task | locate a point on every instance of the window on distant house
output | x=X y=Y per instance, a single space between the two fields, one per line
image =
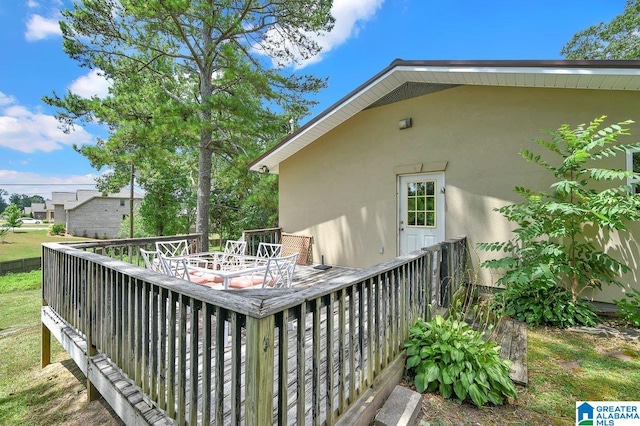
x=122 y=202
x=633 y=164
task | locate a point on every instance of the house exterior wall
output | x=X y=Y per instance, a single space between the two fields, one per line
x=98 y=216
x=59 y=214
x=342 y=188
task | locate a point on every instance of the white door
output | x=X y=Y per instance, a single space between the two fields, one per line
x=421 y=211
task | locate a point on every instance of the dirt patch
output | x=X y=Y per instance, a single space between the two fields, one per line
x=69 y=401
x=437 y=411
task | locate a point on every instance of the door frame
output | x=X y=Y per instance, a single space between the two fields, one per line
x=439 y=176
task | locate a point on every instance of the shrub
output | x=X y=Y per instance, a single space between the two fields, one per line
x=629 y=309
x=539 y=302
x=57 y=229
x=449 y=357
x=549 y=250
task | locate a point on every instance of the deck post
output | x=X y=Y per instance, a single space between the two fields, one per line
x=260 y=371
x=92 y=392
x=45 y=343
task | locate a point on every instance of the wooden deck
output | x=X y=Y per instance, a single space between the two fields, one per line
x=100 y=370
x=161 y=350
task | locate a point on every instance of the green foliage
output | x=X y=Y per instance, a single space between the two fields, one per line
x=549 y=249
x=3 y=202
x=23 y=200
x=138 y=227
x=618 y=39
x=57 y=229
x=204 y=79
x=543 y=302
x=629 y=308
x=12 y=215
x=449 y=357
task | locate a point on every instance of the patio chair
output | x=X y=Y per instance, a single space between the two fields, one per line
x=178 y=267
x=269 y=250
x=231 y=258
x=237 y=247
x=173 y=248
x=151 y=260
x=278 y=274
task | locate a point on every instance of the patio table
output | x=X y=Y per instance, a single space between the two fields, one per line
x=234 y=266
x=217 y=260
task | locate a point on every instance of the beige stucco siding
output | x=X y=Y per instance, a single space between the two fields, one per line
x=342 y=188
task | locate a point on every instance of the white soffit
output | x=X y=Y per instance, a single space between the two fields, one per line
x=550 y=77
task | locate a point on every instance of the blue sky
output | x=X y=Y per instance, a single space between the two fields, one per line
x=36 y=157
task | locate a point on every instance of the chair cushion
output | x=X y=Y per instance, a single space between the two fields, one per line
x=246 y=281
x=208 y=277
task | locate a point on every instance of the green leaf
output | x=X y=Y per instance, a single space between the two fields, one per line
x=446 y=390
x=461 y=390
x=432 y=372
x=421 y=383
x=413 y=361
x=477 y=395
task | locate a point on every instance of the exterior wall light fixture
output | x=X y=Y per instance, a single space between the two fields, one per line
x=404 y=124
x=264 y=169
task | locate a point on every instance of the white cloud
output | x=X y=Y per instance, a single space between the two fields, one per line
x=6 y=99
x=350 y=16
x=39 y=27
x=91 y=84
x=26 y=131
x=31 y=183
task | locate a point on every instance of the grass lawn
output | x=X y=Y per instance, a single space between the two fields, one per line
x=564 y=367
x=30 y=395
x=26 y=242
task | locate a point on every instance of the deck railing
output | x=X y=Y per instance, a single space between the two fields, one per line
x=257 y=357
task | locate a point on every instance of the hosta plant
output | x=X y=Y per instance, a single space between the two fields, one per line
x=629 y=308
x=449 y=357
x=540 y=302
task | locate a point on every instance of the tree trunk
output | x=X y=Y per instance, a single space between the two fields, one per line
x=204 y=186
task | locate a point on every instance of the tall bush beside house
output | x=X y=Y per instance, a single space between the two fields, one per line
x=550 y=261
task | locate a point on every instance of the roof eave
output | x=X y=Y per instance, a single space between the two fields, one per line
x=455 y=72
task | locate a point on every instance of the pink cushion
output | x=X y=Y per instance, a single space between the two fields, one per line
x=208 y=277
x=198 y=280
x=245 y=281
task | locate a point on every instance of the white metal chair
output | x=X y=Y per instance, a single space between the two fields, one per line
x=174 y=266
x=269 y=250
x=179 y=267
x=278 y=274
x=151 y=260
x=231 y=258
x=236 y=247
x=173 y=248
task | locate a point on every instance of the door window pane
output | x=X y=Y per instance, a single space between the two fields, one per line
x=633 y=164
x=421 y=203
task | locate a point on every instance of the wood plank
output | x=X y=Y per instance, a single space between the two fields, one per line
x=511 y=335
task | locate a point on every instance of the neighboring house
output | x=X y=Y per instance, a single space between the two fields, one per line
x=57 y=205
x=89 y=213
x=38 y=210
x=426 y=150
